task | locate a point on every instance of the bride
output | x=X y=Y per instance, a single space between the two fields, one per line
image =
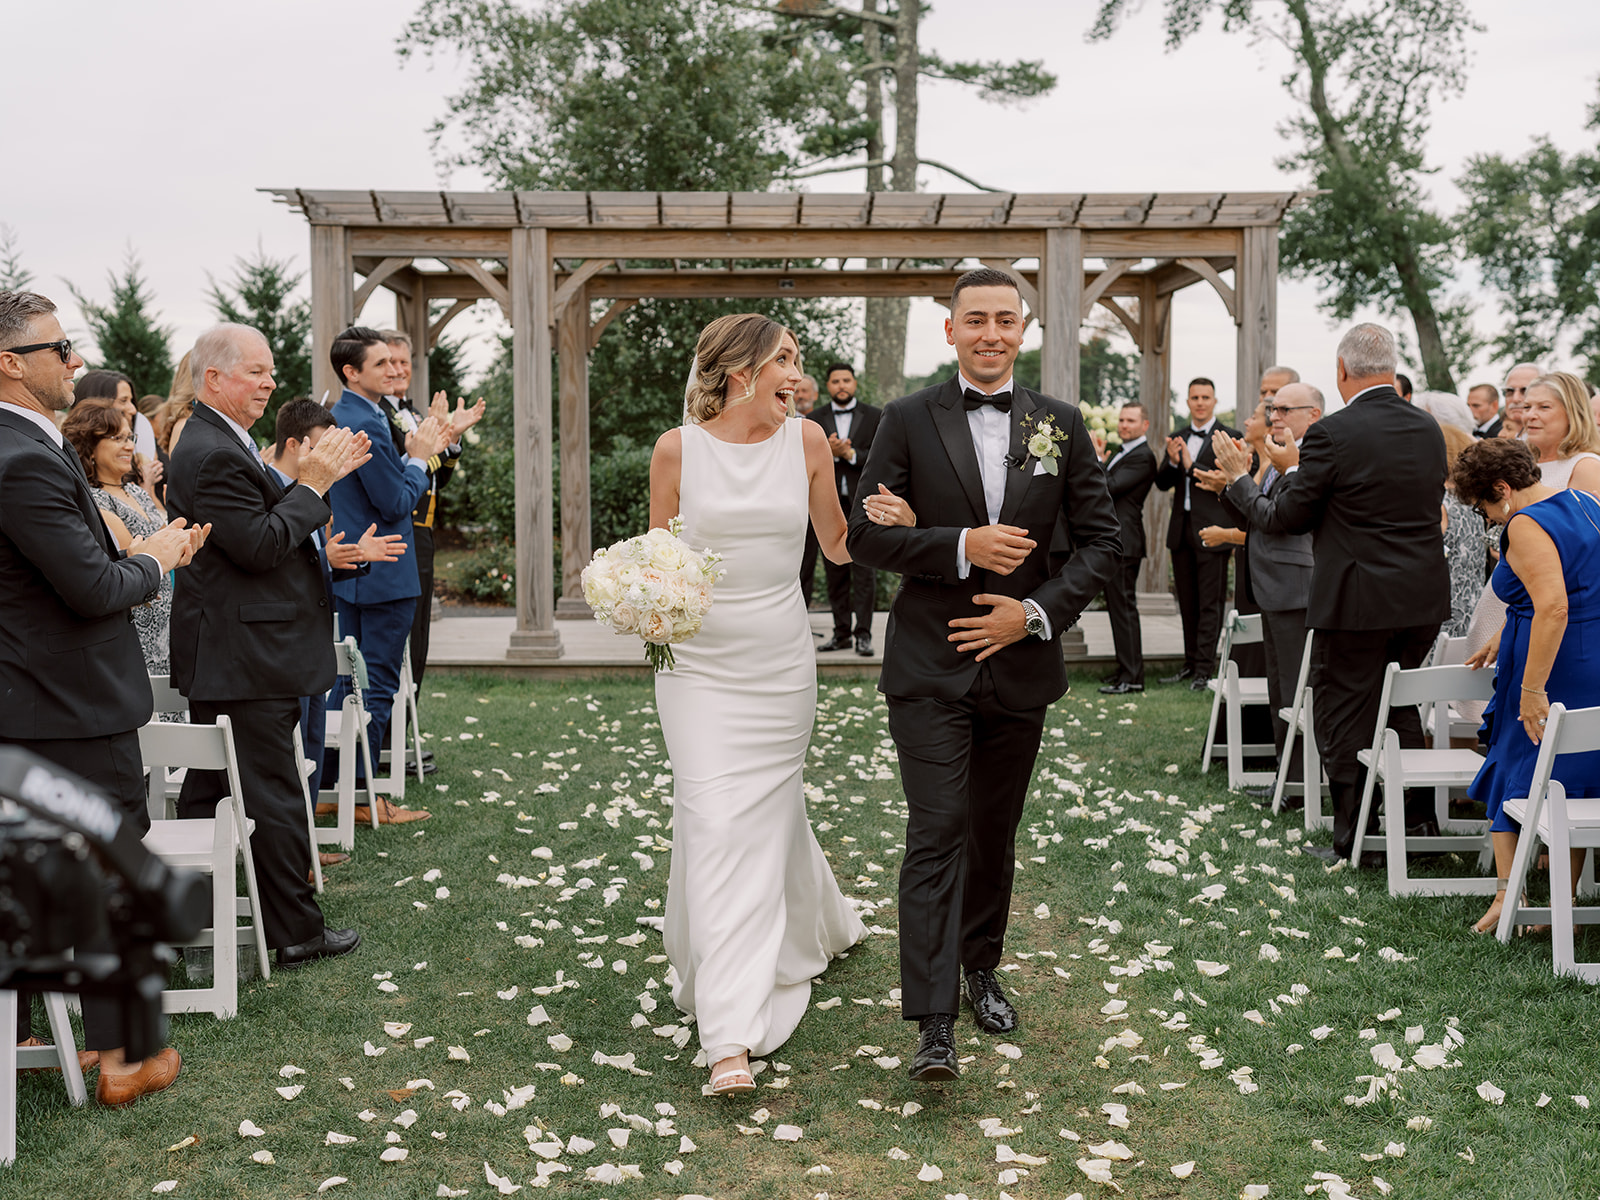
x=753 y=911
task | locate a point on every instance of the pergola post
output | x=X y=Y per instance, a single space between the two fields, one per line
x=1155 y=390
x=332 y=301
x=1255 y=285
x=413 y=313
x=529 y=284
x=1061 y=293
x=572 y=348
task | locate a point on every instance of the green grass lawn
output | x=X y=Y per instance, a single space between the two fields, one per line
x=561 y=789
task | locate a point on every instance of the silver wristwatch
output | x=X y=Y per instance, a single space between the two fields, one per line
x=1034 y=618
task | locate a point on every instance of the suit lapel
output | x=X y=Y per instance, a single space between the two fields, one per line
x=1023 y=406
x=950 y=420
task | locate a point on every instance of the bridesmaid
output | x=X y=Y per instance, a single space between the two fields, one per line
x=753 y=911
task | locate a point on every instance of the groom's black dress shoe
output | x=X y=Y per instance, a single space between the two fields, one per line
x=864 y=645
x=1121 y=689
x=935 y=1060
x=835 y=643
x=330 y=943
x=1186 y=673
x=990 y=1008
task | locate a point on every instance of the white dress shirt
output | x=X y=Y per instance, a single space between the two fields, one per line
x=991 y=438
x=1198 y=437
x=409 y=426
x=843 y=420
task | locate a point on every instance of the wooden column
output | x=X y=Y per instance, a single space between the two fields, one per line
x=332 y=301
x=535 y=636
x=1061 y=296
x=1255 y=285
x=572 y=348
x=1155 y=390
x=413 y=313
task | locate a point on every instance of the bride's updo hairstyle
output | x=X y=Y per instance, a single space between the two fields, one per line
x=737 y=342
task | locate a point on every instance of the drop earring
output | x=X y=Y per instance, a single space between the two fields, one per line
x=1505 y=507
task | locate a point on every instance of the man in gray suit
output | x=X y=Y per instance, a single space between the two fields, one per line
x=1280 y=563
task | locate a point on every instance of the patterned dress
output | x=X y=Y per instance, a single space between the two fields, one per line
x=1466 y=545
x=153 y=620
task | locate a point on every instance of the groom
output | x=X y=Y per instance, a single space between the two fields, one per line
x=971 y=662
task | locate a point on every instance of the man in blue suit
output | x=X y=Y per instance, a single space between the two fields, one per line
x=377 y=608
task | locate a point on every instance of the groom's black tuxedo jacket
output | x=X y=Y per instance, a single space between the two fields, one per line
x=923 y=451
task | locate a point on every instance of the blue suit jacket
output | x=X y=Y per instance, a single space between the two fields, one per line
x=383 y=492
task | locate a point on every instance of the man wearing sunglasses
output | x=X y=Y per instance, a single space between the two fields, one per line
x=73 y=687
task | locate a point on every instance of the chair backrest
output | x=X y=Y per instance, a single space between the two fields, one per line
x=1238 y=630
x=349 y=661
x=168 y=699
x=1448 y=651
x=169 y=744
x=1424 y=685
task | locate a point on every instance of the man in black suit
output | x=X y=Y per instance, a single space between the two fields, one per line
x=1483 y=401
x=1368 y=486
x=1280 y=563
x=73 y=686
x=1129 y=474
x=850 y=426
x=1199 y=572
x=971 y=658
x=252 y=628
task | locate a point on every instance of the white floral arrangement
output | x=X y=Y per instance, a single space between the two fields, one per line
x=654 y=586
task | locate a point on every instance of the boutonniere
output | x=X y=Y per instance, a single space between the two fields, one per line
x=1044 y=442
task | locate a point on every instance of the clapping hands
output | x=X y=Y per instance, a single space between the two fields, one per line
x=372 y=547
x=428 y=438
x=173 y=545
x=461 y=420
x=1233 y=456
x=335 y=456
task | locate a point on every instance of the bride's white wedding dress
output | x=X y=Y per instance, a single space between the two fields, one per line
x=753 y=910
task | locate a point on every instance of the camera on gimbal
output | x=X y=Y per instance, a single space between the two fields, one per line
x=84 y=907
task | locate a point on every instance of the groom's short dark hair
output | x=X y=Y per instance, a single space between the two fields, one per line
x=982 y=277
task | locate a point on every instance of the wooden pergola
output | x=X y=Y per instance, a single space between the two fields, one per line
x=551 y=259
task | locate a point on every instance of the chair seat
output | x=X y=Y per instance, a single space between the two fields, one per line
x=1433 y=768
x=1583 y=818
x=183 y=843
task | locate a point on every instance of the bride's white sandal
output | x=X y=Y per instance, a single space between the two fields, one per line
x=733 y=1081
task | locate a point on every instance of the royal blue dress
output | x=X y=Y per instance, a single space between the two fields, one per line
x=1572 y=520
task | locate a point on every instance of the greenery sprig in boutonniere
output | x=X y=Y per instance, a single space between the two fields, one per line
x=1044 y=442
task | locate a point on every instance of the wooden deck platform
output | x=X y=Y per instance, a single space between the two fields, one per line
x=478 y=642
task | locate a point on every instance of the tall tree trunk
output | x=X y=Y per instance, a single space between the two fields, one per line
x=1435 y=362
x=886 y=318
x=886 y=315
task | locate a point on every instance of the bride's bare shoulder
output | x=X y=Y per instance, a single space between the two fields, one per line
x=670 y=443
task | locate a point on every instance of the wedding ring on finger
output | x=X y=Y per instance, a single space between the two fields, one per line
x=1542 y=720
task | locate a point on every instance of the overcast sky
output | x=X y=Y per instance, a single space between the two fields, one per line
x=152 y=124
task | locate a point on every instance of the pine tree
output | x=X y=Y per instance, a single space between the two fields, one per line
x=125 y=331
x=14 y=277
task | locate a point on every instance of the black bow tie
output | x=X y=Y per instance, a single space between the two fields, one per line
x=846 y=410
x=973 y=399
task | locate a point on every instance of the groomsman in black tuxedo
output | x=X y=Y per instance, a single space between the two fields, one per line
x=971 y=659
x=1367 y=486
x=1483 y=400
x=1199 y=572
x=805 y=399
x=850 y=426
x=73 y=685
x=1129 y=474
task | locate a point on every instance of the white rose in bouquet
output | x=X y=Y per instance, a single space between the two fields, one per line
x=655 y=587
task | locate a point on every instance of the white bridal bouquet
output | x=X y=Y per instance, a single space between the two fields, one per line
x=655 y=586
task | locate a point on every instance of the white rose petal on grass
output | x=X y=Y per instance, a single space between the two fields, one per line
x=337 y=1139
x=406 y=1119
x=332 y=1181
x=499 y=1182
x=1544 y=1099
x=1383 y=1188
x=1097 y=1169
x=1182 y=1170
x=1042 y=912
x=1210 y=969
x=1112 y=1150
x=538 y=1016
x=1491 y=1094
x=397 y=1029
x=559 y=1042
x=372 y=1051
x=1420 y=1124
x=1395 y=1149
x=1581 y=1101
x=1269 y=952
x=1322 y=1032
x=366 y=1114
x=833 y=1002
x=1253 y=1191
x=165 y=1186
x=250 y=1129
x=1384 y=1055
x=930 y=1173
x=264 y=1157
x=898 y=1154
x=289 y=1071
x=289 y=1093
x=787 y=1133
x=1007 y=1050
x=887 y=1061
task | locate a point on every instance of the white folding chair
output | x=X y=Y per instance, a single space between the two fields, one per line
x=1466 y=716
x=1563 y=824
x=346 y=731
x=404 y=725
x=1298 y=716
x=63 y=1054
x=1236 y=693
x=168 y=699
x=214 y=846
x=1440 y=768
x=304 y=769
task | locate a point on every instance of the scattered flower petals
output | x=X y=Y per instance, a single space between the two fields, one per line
x=264 y=1157
x=250 y=1129
x=1488 y=1092
x=930 y=1173
x=1182 y=1170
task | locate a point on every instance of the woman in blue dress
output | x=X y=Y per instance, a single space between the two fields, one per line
x=1549 y=650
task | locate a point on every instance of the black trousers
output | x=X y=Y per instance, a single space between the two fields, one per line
x=115 y=766
x=422 y=622
x=1122 y=605
x=965 y=766
x=1347 y=667
x=851 y=588
x=1200 y=579
x=1284 y=634
x=263 y=739
x=808 y=565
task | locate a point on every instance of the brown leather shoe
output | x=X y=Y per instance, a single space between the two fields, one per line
x=155 y=1074
x=331 y=860
x=327 y=810
x=391 y=814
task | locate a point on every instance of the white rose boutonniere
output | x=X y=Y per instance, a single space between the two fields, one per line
x=1044 y=442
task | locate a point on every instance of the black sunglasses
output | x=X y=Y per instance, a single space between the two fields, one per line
x=63 y=348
